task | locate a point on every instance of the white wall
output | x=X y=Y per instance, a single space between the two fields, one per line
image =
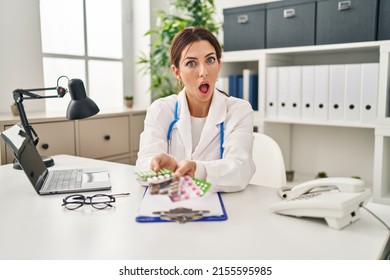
x=141 y=43
x=234 y=3
x=20 y=51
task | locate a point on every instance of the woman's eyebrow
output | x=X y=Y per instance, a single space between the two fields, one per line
x=212 y=53
x=207 y=55
x=190 y=57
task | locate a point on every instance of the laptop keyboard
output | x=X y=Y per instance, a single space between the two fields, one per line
x=65 y=179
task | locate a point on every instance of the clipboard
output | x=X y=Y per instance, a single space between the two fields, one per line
x=159 y=208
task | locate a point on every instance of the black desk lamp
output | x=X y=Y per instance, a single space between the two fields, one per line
x=80 y=107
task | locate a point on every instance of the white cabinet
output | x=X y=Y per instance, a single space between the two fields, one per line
x=104 y=137
x=110 y=135
x=339 y=146
x=51 y=142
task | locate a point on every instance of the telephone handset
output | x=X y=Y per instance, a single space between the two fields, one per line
x=336 y=199
x=340 y=183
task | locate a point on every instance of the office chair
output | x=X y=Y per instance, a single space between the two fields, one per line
x=268 y=158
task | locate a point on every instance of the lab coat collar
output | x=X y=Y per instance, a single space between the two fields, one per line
x=211 y=129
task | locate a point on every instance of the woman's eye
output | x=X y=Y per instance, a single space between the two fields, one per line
x=191 y=63
x=210 y=60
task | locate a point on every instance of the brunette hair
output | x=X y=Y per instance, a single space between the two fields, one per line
x=188 y=36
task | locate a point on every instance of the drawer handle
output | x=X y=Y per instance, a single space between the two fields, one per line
x=289 y=13
x=107 y=137
x=345 y=5
x=242 y=19
x=45 y=146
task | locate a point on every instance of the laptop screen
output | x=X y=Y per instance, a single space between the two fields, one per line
x=26 y=153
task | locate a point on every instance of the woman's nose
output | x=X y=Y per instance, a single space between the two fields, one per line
x=203 y=71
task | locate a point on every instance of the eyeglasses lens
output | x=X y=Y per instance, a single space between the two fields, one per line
x=101 y=201
x=74 y=201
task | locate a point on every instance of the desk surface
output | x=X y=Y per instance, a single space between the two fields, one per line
x=38 y=227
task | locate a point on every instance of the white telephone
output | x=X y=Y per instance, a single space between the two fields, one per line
x=336 y=199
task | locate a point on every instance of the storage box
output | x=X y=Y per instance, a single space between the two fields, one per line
x=384 y=20
x=244 y=28
x=290 y=23
x=346 y=21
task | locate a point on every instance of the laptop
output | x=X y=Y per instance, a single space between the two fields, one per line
x=47 y=181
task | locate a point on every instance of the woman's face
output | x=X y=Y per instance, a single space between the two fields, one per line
x=198 y=70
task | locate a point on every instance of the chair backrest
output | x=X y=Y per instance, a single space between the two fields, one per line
x=268 y=158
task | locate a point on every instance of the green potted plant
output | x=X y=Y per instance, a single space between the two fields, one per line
x=321 y=174
x=181 y=14
x=129 y=101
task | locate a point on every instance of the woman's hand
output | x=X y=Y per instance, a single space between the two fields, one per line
x=163 y=161
x=186 y=167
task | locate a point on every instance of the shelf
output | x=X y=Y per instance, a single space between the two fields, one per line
x=341 y=148
x=309 y=122
x=382 y=130
x=245 y=55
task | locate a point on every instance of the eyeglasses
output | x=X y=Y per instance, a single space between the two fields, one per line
x=97 y=201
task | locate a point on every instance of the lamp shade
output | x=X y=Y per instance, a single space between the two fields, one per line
x=81 y=106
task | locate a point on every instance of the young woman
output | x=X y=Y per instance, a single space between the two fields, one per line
x=201 y=131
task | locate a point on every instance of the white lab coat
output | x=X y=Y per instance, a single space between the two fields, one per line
x=231 y=173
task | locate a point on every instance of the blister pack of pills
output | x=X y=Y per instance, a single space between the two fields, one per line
x=164 y=182
x=187 y=188
x=145 y=178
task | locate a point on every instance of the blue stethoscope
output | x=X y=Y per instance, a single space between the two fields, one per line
x=176 y=118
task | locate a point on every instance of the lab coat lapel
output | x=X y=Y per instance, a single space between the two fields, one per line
x=184 y=124
x=211 y=129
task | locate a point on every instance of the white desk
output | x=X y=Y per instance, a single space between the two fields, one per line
x=38 y=227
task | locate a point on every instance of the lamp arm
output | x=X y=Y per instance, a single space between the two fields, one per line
x=18 y=98
x=19 y=94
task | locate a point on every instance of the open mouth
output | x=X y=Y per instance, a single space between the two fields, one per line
x=204 y=88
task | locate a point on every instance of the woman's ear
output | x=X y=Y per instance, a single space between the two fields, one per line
x=175 y=71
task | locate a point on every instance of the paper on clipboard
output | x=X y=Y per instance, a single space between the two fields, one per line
x=154 y=203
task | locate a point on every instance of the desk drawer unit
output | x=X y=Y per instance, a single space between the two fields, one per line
x=104 y=137
x=54 y=138
x=346 y=21
x=290 y=23
x=244 y=28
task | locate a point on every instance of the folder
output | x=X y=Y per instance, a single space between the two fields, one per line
x=234 y=84
x=294 y=92
x=336 y=92
x=369 y=92
x=160 y=208
x=246 y=73
x=223 y=84
x=271 y=97
x=240 y=86
x=283 y=84
x=321 y=92
x=307 y=110
x=352 y=92
x=254 y=91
